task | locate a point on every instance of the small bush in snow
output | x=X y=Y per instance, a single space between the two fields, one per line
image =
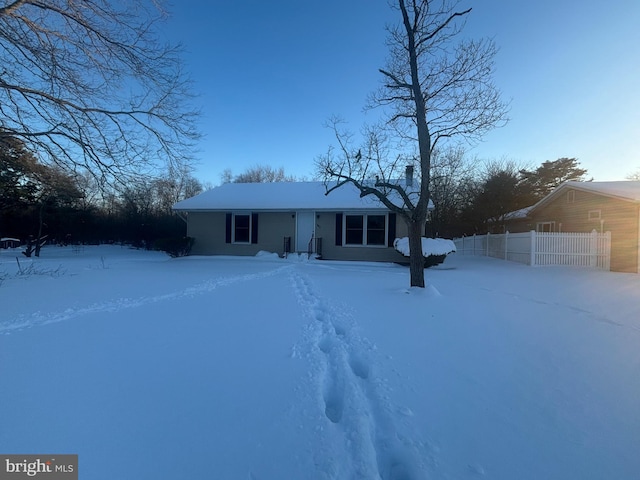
x=174 y=246
x=33 y=269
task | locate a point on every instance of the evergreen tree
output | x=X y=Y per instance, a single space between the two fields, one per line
x=541 y=181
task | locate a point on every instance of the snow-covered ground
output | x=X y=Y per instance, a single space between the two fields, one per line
x=262 y=368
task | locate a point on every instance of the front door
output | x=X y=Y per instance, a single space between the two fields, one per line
x=305 y=229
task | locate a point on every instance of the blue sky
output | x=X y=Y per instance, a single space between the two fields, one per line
x=269 y=74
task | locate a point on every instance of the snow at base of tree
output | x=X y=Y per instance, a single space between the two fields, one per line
x=430 y=246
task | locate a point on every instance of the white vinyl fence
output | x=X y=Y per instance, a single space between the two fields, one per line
x=535 y=248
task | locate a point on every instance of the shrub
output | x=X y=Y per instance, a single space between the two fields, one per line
x=174 y=246
x=433 y=260
x=434 y=250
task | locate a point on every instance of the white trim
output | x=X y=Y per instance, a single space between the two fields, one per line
x=597 y=214
x=551 y=223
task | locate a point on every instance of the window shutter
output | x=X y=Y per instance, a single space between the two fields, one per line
x=227 y=237
x=338 y=229
x=254 y=228
x=391 y=234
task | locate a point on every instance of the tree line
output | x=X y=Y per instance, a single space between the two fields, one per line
x=48 y=203
x=475 y=197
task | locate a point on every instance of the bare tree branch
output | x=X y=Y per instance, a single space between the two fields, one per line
x=88 y=84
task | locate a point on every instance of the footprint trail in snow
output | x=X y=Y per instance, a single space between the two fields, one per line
x=40 y=318
x=378 y=442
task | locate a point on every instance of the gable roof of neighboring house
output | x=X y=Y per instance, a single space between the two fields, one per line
x=624 y=190
x=279 y=196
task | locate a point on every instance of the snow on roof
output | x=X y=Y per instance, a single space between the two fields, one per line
x=627 y=190
x=518 y=214
x=280 y=196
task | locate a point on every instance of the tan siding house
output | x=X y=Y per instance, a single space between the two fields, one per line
x=288 y=217
x=588 y=206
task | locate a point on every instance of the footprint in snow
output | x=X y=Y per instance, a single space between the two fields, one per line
x=334 y=400
x=359 y=367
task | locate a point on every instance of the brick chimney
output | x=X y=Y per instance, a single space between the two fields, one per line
x=409 y=176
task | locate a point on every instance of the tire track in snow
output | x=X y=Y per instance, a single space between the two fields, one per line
x=38 y=318
x=352 y=398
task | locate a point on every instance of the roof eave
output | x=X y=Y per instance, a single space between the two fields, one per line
x=283 y=210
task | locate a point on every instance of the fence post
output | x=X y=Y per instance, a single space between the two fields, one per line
x=488 y=237
x=532 y=252
x=607 y=251
x=593 y=247
x=506 y=244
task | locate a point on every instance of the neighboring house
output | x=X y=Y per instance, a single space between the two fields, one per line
x=588 y=206
x=517 y=221
x=7 y=242
x=284 y=217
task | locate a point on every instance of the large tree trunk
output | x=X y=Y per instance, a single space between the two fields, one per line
x=416 y=227
x=416 y=260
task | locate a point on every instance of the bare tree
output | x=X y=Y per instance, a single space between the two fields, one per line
x=635 y=176
x=90 y=84
x=434 y=90
x=226 y=176
x=259 y=174
x=177 y=185
x=451 y=174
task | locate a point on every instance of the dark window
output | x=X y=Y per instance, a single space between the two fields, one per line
x=354 y=231
x=365 y=230
x=546 y=227
x=375 y=230
x=242 y=229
